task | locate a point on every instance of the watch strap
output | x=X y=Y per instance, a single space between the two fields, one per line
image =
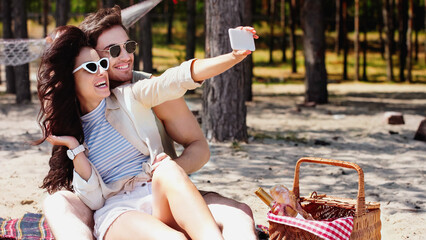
x=78 y=150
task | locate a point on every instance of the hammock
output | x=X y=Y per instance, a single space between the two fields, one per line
x=14 y=52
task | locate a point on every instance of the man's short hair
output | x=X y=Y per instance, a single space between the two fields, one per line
x=95 y=23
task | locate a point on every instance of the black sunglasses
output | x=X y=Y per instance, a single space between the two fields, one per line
x=115 y=50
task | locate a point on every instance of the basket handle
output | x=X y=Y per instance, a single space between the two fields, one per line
x=360 y=205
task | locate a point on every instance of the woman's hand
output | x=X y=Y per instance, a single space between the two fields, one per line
x=67 y=141
x=159 y=159
x=81 y=163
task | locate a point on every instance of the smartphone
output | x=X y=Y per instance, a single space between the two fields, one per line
x=241 y=39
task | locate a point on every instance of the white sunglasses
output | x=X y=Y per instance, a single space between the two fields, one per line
x=92 y=67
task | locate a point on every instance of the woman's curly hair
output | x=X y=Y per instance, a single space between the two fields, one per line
x=59 y=112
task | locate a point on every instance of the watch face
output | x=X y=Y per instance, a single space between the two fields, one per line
x=70 y=154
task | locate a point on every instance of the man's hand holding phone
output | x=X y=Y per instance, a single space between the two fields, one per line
x=242 y=40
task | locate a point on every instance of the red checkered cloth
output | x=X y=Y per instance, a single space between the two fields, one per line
x=30 y=227
x=332 y=229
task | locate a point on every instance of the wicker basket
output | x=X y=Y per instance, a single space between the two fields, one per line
x=366 y=214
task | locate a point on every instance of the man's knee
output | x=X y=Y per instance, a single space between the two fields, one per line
x=223 y=205
x=245 y=208
x=234 y=218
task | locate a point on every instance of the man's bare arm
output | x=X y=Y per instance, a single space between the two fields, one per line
x=183 y=128
x=206 y=68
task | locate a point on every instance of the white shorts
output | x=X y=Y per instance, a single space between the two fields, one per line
x=140 y=199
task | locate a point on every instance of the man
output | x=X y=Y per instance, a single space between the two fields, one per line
x=67 y=215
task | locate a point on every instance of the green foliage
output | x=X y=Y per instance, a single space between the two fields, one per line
x=34 y=6
x=166 y=56
x=81 y=7
x=236 y=146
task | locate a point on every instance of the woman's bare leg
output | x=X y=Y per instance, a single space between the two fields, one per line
x=178 y=203
x=138 y=225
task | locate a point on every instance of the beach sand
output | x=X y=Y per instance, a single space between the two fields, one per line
x=351 y=128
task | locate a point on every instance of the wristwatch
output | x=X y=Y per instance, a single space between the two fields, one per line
x=73 y=152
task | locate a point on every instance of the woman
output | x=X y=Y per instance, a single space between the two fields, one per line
x=118 y=134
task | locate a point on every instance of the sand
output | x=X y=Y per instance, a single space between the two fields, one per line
x=351 y=128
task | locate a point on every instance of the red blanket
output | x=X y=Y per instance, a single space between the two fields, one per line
x=31 y=226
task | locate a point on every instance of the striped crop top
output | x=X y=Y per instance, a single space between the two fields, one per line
x=111 y=154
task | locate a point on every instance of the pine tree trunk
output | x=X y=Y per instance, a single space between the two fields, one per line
x=271 y=30
x=265 y=7
x=108 y=3
x=45 y=16
x=190 y=29
x=22 y=80
x=292 y=35
x=364 y=42
x=356 y=42
x=345 y=39
x=338 y=28
x=248 y=62
x=409 y=42
x=312 y=16
x=224 y=110
x=284 y=36
x=402 y=29
x=392 y=25
x=170 y=16
x=380 y=29
x=62 y=10
x=416 y=44
x=7 y=34
x=387 y=20
x=146 y=43
x=417 y=11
